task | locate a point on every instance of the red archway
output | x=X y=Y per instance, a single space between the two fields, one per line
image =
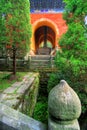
x=38 y=34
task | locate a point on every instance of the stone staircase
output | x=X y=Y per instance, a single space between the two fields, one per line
x=44 y=51
x=41 y=62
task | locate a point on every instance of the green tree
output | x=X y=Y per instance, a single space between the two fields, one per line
x=75 y=10
x=72 y=62
x=3 y=13
x=74 y=41
x=18 y=27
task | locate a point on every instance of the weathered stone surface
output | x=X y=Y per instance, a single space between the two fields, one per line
x=58 y=126
x=13 y=88
x=64 y=103
x=18 y=96
x=13 y=120
x=24 y=87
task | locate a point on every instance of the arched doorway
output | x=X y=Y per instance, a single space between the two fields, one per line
x=45 y=35
x=44 y=40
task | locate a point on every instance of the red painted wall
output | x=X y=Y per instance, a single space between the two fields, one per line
x=57 y=18
x=57 y=24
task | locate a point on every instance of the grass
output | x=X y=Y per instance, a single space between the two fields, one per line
x=40 y=112
x=5 y=80
x=41 y=108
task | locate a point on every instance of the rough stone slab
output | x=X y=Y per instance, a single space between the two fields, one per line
x=9 y=96
x=11 y=103
x=13 y=88
x=17 y=85
x=11 y=100
x=13 y=95
x=18 y=121
x=24 y=87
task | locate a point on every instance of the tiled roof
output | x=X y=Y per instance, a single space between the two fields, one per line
x=46 y=5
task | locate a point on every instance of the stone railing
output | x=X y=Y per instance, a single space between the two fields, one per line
x=11 y=119
x=6 y=63
x=22 y=95
x=64 y=108
x=39 y=62
x=30 y=63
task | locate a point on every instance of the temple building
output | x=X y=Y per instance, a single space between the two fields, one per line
x=46 y=5
x=47 y=25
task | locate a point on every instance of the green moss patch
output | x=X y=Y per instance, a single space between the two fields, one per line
x=6 y=81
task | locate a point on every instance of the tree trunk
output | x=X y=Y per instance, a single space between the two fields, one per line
x=14 y=61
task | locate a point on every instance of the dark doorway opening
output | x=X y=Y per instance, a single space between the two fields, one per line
x=44 y=40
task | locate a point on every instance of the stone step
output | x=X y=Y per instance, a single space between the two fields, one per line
x=44 y=51
x=42 y=64
x=44 y=69
x=41 y=57
x=39 y=66
x=41 y=61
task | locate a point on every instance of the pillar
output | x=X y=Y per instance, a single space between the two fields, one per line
x=64 y=108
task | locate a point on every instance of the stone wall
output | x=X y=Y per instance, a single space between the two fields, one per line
x=22 y=95
x=11 y=119
x=6 y=64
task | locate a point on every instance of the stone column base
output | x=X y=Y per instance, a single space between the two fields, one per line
x=74 y=125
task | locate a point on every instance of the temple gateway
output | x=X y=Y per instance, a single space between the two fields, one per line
x=47 y=26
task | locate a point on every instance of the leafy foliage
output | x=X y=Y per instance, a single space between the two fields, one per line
x=40 y=112
x=3 y=13
x=76 y=42
x=18 y=24
x=74 y=72
x=75 y=10
x=72 y=62
x=15 y=26
x=6 y=82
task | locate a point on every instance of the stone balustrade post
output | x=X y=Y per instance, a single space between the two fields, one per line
x=64 y=108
